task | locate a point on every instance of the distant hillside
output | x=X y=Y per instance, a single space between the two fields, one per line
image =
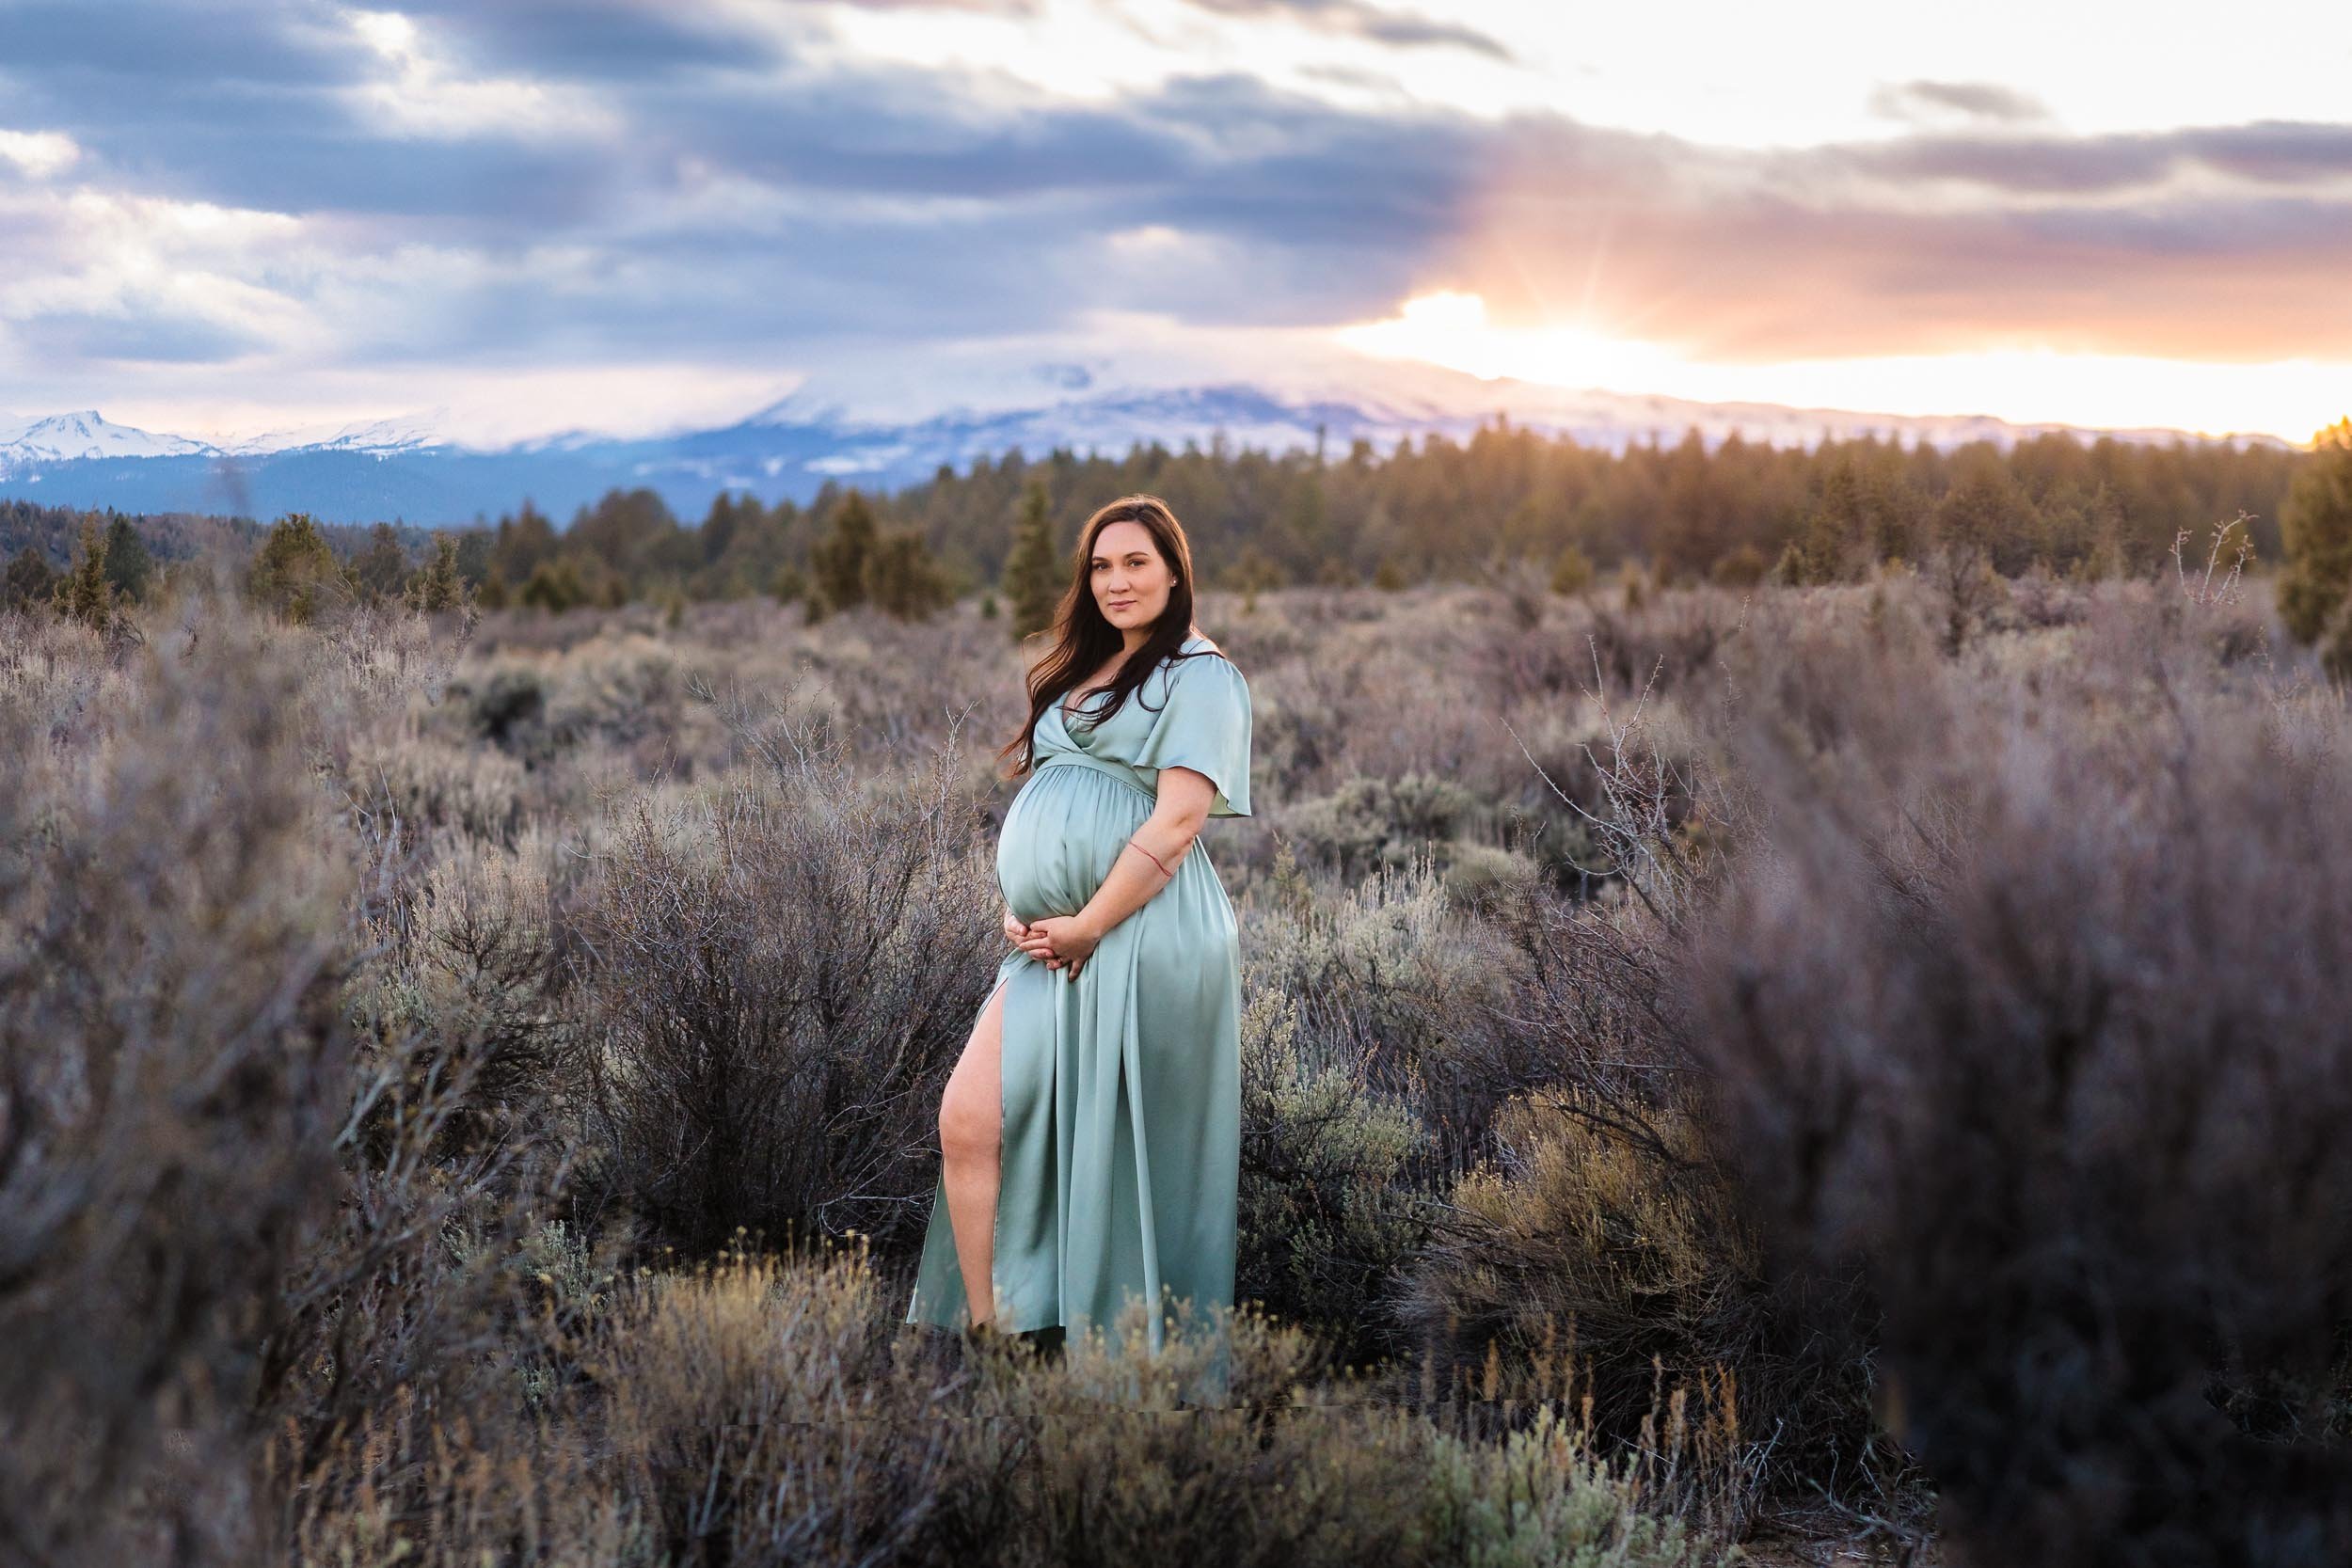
x=1733 y=511
x=398 y=470
x=52 y=531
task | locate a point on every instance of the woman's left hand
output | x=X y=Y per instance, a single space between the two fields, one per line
x=1066 y=939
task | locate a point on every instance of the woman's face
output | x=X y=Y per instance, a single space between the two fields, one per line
x=1130 y=579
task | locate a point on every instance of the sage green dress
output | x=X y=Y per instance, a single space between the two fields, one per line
x=1121 y=1088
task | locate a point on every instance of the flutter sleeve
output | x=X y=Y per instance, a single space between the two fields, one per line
x=1205 y=725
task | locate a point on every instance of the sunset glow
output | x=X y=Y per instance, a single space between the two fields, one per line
x=2026 y=384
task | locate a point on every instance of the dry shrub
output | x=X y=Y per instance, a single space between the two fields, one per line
x=1091 y=1461
x=459 y=1024
x=461 y=1463
x=423 y=1485
x=2038 y=602
x=170 y=1075
x=259 y=1130
x=1966 y=591
x=1550 y=655
x=628 y=695
x=469 y=792
x=1604 y=1216
x=410 y=1313
x=776 y=973
x=1383 y=967
x=1329 y=1209
x=372 y=657
x=506 y=706
x=1541 y=657
x=1571 y=1230
x=1677 y=637
x=2034 y=1015
x=1371 y=822
x=756 y=1409
x=753 y=1408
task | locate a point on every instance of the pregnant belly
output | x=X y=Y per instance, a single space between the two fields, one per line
x=1061 y=837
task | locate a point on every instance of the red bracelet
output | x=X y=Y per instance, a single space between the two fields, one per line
x=1154 y=859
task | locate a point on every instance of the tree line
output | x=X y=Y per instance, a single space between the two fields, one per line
x=1736 y=513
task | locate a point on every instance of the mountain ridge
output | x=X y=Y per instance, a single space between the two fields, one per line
x=415 y=468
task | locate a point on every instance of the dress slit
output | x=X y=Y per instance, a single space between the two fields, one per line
x=996 y=1205
x=1131 y=1111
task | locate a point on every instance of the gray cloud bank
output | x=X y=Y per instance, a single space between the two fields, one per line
x=690 y=185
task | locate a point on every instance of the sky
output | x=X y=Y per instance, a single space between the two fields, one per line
x=514 y=217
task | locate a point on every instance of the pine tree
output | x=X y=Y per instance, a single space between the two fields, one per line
x=1253 y=572
x=29 y=581
x=296 y=573
x=718 y=527
x=84 y=593
x=524 y=541
x=128 y=566
x=474 y=555
x=555 y=586
x=1634 y=583
x=1032 y=575
x=383 y=566
x=1825 y=547
x=1988 y=511
x=1572 y=572
x=1305 y=528
x=839 y=562
x=437 y=586
x=1743 y=567
x=2315 y=528
x=902 y=577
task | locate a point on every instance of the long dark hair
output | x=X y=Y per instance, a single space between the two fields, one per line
x=1083 y=641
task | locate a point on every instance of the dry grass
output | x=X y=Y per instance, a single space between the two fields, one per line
x=467 y=1088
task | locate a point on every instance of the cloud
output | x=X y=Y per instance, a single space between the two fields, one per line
x=88 y=44
x=1971 y=101
x=983 y=7
x=1829 y=252
x=2269 y=152
x=1365 y=20
x=39 y=153
x=79 y=335
x=2275 y=151
x=438 y=194
x=599 y=41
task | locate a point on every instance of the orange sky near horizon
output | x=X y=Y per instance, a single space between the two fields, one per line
x=2290 y=400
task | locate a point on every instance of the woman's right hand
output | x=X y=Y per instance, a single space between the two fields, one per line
x=1030 y=942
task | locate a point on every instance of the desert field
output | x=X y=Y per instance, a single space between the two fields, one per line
x=1773 y=1073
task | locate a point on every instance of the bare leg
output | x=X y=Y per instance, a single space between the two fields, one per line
x=971 y=1131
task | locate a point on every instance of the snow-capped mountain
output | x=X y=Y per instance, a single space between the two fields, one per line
x=413 y=468
x=408 y=432
x=74 y=438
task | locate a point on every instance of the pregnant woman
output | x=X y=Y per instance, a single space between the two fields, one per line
x=1091 y=1131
